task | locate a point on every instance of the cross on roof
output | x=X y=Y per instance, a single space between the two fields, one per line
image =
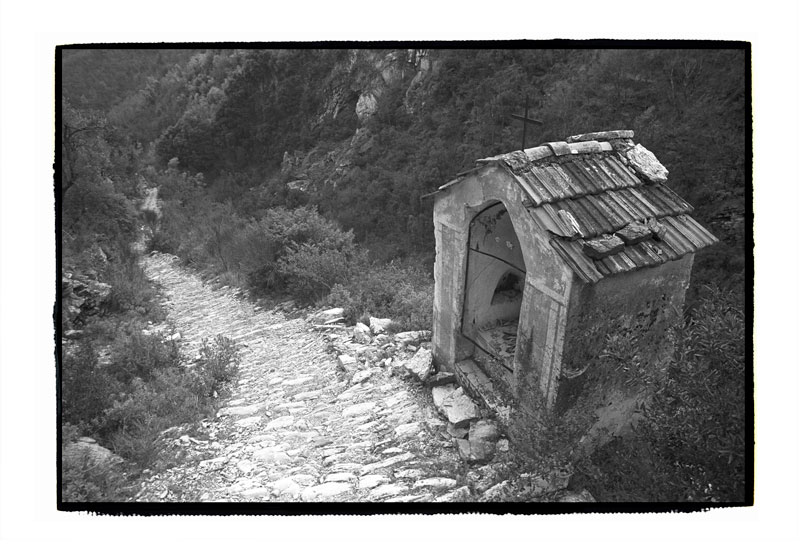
x=525 y=121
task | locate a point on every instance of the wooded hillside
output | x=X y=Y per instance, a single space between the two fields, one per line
x=254 y=121
x=300 y=173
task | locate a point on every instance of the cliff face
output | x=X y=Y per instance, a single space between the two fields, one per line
x=366 y=83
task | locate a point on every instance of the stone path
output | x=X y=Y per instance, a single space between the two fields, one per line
x=295 y=427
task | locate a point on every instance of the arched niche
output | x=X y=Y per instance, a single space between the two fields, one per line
x=495 y=281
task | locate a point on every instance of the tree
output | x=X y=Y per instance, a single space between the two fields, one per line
x=84 y=152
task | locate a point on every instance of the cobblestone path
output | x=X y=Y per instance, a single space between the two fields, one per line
x=294 y=428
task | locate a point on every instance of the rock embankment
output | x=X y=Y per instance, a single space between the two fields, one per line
x=325 y=412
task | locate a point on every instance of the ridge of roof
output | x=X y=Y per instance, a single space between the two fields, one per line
x=592 y=186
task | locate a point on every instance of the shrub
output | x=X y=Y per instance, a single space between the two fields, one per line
x=219 y=363
x=311 y=270
x=698 y=417
x=86 y=390
x=171 y=396
x=402 y=292
x=412 y=307
x=138 y=355
x=690 y=445
x=339 y=296
x=130 y=287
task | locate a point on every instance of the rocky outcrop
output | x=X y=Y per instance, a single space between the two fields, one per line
x=87 y=453
x=81 y=297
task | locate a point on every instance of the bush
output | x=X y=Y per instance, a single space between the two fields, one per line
x=690 y=445
x=311 y=271
x=130 y=287
x=403 y=293
x=86 y=390
x=171 y=396
x=698 y=417
x=138 y=355
x=219 y=363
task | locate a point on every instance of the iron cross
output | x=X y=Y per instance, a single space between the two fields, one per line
x=525 y=122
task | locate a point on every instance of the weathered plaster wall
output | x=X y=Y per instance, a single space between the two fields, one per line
x=632 y=315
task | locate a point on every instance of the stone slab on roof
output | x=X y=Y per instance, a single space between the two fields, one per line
x=597 y=184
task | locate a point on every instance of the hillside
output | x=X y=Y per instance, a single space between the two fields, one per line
x=297 y=176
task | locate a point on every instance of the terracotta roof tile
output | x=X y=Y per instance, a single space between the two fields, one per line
x=595 y=136
x=597 y=184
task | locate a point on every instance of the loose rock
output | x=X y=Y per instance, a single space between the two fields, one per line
x=326 y=491
x=436 y=483
x=328 y=315
x=347 y=363
x=440 y=394
x=371 y=480
x=388 y=490
x=459 y=495
x=459 y=408
x=475 y=452
x=483 y=431
x=441 y=378
x=361 y=334
x=419 y=366
x=378 y=326
x=361 y=376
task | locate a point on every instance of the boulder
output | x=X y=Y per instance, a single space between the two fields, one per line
x=420 y=365
x=603 y=246
x=347 y=363
x=475 y=452
x=378 y=326
x=646 y=164
x=457 y=432
x=484 y=431
x=361 y=334
x=412 y=337
x=86 y=452
x=328 y=315
x=440 y=394
x=459 y=408
x=366 y=106
x=634 y=233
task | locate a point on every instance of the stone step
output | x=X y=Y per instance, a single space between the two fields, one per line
x=480 y=386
